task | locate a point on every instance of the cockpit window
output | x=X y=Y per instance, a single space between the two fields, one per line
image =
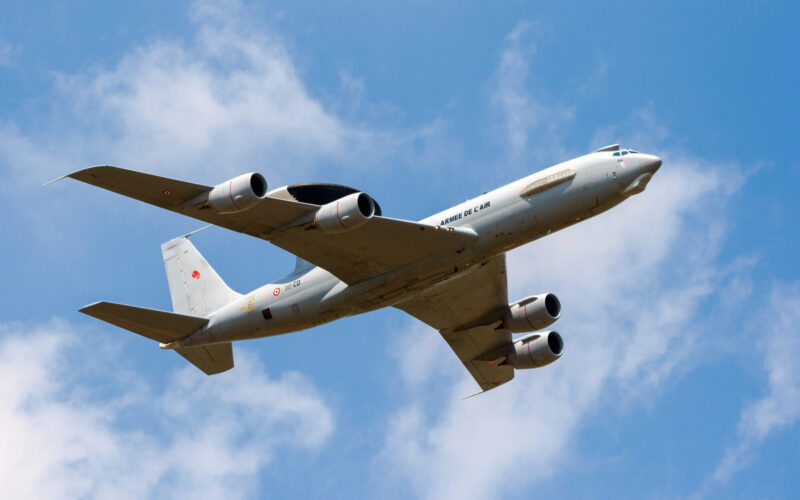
x=632 y=151
x=624 y=153
x=616 y=154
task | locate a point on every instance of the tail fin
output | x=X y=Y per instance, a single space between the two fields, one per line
x=194 y=286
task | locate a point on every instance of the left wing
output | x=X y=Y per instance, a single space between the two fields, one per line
x=467 y=312
x=379 y=246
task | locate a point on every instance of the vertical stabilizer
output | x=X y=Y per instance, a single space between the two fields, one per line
x=302 y=266
x=196 y=289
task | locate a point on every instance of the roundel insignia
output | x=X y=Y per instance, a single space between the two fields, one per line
x=196 y=275
x=276 y=292
x=166 y=193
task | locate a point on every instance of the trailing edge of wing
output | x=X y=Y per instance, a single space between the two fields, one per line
x=467 y=311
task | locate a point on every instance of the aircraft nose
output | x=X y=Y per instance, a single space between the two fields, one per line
x=651 y=163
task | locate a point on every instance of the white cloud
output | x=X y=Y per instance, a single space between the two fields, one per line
x=520 y=114
x=228 y=99
x=419 y=352
x=7 y=53
x=777 y=337
x=195 y=436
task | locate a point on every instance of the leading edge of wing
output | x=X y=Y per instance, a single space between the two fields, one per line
x=176 y=195
x=163 y=192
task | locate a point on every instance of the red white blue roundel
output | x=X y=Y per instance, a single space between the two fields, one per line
x=276 y=292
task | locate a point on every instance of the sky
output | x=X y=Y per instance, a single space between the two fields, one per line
x=681 y=372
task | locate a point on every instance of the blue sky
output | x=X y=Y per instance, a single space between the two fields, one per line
x=680 y=378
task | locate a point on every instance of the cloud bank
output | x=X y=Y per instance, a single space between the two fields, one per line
x=75 y=425
x=779 y=407
x=227 y=100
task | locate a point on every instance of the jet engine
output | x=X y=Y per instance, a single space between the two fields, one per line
x=532 y=313
x=535 y=350
x=345 y=213
x=238 y=194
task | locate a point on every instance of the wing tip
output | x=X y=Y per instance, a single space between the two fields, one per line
x=473 y=395
x=88 y=307
x=74 y=175
x=55 y=180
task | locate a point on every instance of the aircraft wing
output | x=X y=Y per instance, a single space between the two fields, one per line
x=379 y=246
x=467 y=312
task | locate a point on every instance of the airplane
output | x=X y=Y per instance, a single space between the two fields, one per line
x=447 y=270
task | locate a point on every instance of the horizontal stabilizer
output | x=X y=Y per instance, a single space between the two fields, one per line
x=160 y=326
x=212 y=358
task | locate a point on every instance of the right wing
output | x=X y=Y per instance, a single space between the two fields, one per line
x=379 y=246
x=468 y=311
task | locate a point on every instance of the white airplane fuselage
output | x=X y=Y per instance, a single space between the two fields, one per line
x=502 y=219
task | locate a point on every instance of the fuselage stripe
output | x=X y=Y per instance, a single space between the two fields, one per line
x=525 y=308
x=337 y=216
x=230 y=194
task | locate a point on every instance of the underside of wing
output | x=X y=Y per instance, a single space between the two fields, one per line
x=259 y=220
x=468 y=311
x=474 y=343
x=380 y=246
x=285 y=217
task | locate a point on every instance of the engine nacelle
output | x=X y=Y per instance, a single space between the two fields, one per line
x=238 y=194
x=535 y=350
x=345 y=213
x=532 y=313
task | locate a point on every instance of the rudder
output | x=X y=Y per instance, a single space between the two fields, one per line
x=195 y=288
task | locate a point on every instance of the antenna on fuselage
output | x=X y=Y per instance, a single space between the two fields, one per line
x=610 y=147
x=195 y=231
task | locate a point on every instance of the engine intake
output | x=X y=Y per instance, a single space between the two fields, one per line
x=237 y=194
x=532 y=313
x=535 y=350
x=345 y=213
